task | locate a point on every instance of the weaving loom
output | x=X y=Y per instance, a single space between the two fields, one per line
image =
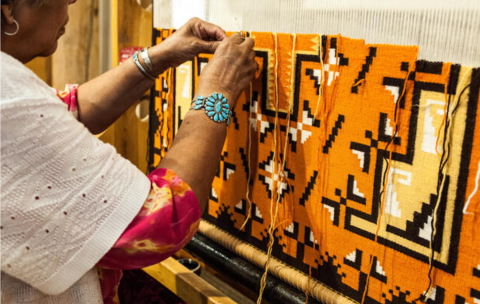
x=355 y=164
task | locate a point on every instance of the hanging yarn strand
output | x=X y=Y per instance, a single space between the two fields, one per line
x=440 y=185
x=321 y=157
x=263 y=281
x=281 y=167
x=290 y=107
x=442 y=173
x=444 y=112
x=322 y=76
x=386 y=177
x=249 y=175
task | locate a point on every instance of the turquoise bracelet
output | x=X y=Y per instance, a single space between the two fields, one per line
x=215 y=106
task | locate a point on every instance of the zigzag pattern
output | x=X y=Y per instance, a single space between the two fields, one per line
x=309 y=188
x=365 y=68
x=331 y=137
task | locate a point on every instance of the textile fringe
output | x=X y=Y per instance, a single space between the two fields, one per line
x=295 y=278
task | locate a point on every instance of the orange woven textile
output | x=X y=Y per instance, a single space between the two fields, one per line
x=371 y=157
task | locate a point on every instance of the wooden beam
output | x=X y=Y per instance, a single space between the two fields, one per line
x=185 y=284
x=114 y=31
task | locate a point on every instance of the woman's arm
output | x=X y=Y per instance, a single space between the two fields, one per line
x=195 y=152
x=171 y=207
x=102 y=100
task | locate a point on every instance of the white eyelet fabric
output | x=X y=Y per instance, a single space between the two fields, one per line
x=66 y=197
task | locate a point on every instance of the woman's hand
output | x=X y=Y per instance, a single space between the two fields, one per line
x=230 y=70
x=195 y=37
x=195 y=152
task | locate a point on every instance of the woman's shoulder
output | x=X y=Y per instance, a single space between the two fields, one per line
x=19 y=83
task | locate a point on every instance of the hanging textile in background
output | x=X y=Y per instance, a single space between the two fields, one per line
x=370 y=157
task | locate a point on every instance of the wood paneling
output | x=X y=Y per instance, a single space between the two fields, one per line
x=77 y=50
x=129 y=132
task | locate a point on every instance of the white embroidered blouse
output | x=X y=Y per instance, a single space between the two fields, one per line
x=66 y=197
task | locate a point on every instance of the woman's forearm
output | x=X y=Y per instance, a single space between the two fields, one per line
x=195 y=153
x=102 y=100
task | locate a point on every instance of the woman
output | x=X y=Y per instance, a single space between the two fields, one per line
x=70 y=205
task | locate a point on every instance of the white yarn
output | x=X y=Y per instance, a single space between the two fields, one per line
x=444 y=30
x=66 y=197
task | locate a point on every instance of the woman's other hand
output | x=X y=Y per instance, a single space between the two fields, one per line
x=231 y=69
x=195 y=37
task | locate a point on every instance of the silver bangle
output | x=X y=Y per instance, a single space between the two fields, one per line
x=141 y=68
x=146 y=58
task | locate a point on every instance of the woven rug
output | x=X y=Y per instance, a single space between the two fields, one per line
x=366 y=161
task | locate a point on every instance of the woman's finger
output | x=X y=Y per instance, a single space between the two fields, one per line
x=248 y=43
x=211 y=32
x=236 y=38
x=208 y=47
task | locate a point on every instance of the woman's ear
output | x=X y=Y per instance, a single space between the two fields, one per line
x=7 y=14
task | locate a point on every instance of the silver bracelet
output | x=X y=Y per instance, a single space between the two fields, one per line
x=141 y=68
x=146 y=58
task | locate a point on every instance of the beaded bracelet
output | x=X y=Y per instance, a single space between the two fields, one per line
x=141 y=68
x=215 y=106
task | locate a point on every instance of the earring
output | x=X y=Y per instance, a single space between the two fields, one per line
x=16 y=31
